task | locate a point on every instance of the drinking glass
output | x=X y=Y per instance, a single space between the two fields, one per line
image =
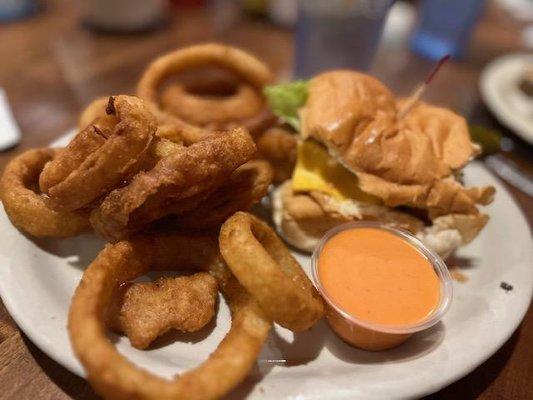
x=337 y=34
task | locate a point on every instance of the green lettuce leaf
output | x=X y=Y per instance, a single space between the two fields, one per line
x=286 y=99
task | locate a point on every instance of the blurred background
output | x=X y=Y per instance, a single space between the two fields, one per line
x=58 y=55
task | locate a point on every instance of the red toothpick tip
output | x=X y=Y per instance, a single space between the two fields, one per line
x=436 y=68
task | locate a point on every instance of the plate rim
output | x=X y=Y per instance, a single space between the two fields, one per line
x=487 y=88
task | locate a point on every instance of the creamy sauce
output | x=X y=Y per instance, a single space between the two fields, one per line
x=378 y=277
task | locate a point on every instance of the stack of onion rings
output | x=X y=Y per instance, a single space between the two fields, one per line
x=211 y=108
x=96 y=161
x=244 y=105
x=135 y=162
x=176 y=184
x=246 y=186
x=168 y=126
x=266 y=268
x=26 y=208
x=112 y=375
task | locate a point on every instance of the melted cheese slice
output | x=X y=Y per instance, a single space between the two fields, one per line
x=316 y=170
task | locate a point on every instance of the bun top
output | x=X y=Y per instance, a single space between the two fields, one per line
x=402 y=160
x=356 y=117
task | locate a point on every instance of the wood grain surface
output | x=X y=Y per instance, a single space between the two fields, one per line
x=51 y=66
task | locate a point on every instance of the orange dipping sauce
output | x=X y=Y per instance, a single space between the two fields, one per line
x=378 y=277
x=383 y=284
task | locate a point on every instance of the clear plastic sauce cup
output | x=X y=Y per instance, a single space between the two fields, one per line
x=369 y=335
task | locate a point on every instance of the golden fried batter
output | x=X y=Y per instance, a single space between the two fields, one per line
x=278 y=147
x=188 y=174
x=26 y=206
x=246 y=186
x=101 y=156
x=145 y=311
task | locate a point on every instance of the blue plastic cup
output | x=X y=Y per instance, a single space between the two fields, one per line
x=445 y=27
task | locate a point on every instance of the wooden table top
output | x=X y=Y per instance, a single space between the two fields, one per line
x=51 y=67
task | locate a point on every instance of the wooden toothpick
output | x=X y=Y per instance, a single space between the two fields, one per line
x=419 y=90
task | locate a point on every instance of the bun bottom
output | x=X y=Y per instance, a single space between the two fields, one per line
x=302 y=220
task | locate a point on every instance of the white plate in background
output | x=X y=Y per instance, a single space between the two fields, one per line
x=499 y=88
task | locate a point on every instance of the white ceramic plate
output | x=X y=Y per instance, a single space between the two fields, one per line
x=38 y=277
x=499 y=88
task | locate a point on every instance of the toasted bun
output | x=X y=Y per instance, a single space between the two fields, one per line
x=299 y=219
x=356 y=117
x=302 y=219
x=404 y=161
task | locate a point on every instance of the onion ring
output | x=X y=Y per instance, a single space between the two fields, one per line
x=95 y=162
x=168 y=126
x=266 y=268
x=278 y=147
x=174 y=129
x=214 y=114
x=258 y=123
x=27 y=209
x=246 y=186
x=159 y=149
x=203 y=110
x=96 y=109
x=112 y=375
x=245 y=65
x=190 y=174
